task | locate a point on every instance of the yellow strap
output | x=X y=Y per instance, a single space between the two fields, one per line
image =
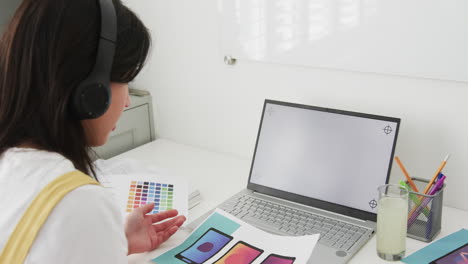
x=22 y=238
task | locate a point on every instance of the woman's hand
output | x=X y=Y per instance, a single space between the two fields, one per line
x=142 y=235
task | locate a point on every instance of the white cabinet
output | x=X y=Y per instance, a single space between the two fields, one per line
x=134 y=128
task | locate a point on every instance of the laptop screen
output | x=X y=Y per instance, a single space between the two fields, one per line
x=322 y=157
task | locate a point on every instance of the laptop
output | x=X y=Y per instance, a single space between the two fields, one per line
x=316 y=170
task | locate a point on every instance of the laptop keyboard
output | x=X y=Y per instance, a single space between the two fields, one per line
x=334 y=233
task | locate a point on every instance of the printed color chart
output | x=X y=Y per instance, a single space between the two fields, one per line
x=141 y=193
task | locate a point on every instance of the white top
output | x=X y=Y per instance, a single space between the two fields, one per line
x=85 y=227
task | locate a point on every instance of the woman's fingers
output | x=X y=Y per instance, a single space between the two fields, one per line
x=163 y=231
x=163 y=215
x=165 y=235
x=177 y=221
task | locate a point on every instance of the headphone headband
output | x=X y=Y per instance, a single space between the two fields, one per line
x=92 y=97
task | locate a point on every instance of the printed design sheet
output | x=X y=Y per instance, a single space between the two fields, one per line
x=224 y=239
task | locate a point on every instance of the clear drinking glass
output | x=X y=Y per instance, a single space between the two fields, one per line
x=392 y=217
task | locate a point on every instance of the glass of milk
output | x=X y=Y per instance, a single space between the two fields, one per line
x=392 y=218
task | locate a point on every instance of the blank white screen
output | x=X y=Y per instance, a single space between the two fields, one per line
x=332 y=157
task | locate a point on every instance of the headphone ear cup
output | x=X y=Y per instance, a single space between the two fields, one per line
x=91 y=100
x=92 y=97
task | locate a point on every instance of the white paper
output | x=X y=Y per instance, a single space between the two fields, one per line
x=123 y=176
x=107 y=169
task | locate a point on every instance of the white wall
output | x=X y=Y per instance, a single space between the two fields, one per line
x=200 y=101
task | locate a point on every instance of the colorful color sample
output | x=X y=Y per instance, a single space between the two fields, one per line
x=240 y=253
x=141 y=193
x=205 y=247
x=277 y=259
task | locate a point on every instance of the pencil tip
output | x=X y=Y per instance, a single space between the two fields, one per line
x=447 y=157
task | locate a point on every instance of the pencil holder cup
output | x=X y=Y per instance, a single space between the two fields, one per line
x=424 y=212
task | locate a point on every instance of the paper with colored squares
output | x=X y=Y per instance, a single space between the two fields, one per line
x=134 y=190
x=145 y=192
x=134 y=183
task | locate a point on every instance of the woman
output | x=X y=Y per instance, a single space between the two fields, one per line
x=48 y=49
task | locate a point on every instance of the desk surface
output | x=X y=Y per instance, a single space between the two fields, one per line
x=229 y=174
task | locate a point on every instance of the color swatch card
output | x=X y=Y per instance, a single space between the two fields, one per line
x=137 y=189
x=145 y=192
x=224 y=239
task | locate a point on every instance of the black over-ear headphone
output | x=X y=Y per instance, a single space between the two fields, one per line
x=92 y=97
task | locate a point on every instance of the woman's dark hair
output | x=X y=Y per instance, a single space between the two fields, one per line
x=48 y=48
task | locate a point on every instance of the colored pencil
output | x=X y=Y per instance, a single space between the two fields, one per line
x=415 y=199
x=441 y=167
x=417 y=211
x=408 y=178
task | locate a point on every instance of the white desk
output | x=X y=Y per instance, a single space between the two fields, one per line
x=218 y=176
